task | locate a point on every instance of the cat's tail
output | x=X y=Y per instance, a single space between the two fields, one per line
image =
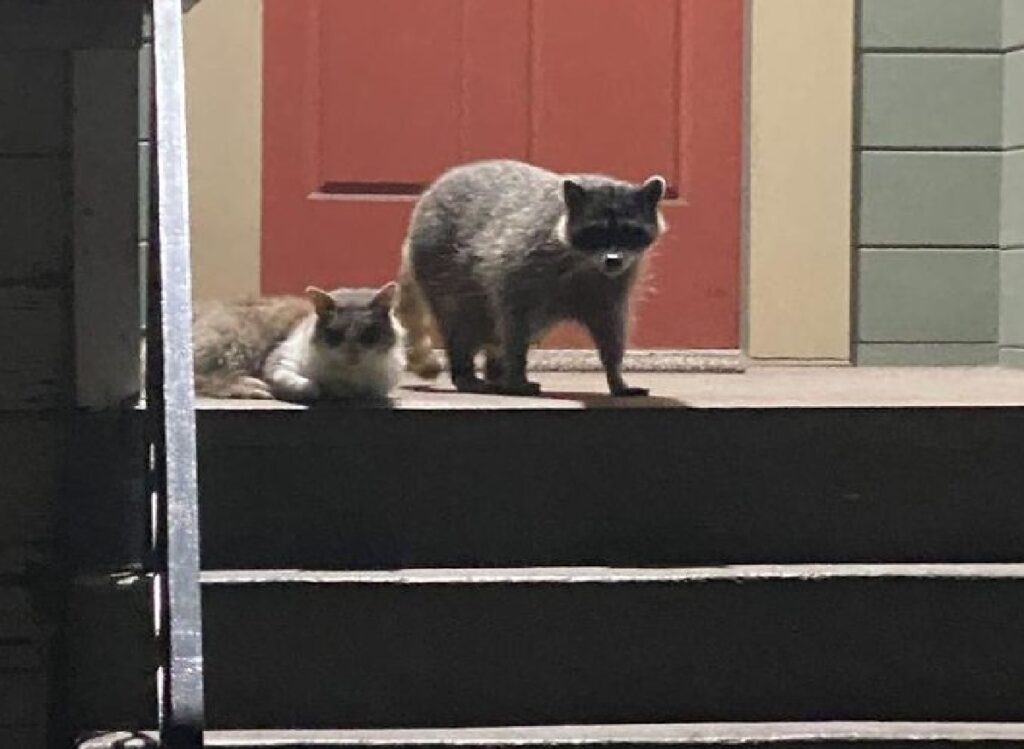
x=413 y=312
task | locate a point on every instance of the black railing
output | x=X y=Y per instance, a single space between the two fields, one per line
x=170 y=398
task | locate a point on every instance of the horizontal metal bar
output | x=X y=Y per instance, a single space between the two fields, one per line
x=618 y=575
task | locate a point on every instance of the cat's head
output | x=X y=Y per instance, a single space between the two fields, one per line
x=611 y=222
x=354 y=322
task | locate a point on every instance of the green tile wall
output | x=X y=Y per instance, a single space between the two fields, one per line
x=929 y=296
x=1011 y=357
x=1011 y=323
x=1013 y=199
x=941 y=182
x=932 y=24
x=927 y=354
x=1013 y=24
x=1013 y=104
x=913 y=100
x=929 y=199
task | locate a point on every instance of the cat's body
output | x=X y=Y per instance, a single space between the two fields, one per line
x=500 y=251
x=345 y=344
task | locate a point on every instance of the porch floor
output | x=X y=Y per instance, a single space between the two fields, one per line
x=758 y=387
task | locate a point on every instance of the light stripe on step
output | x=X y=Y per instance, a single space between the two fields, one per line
x=591 y=575
x=682 y=734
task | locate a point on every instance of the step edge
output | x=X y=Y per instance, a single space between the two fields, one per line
x=618 y=575
x=678 y=733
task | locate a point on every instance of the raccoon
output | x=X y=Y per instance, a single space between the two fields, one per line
x=499 y=251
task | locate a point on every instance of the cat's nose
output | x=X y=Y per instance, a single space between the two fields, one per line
x=614 y=261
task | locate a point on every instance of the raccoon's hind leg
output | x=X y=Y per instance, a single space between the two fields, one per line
x=462 y=350
x=494 y=366
x=413 y=312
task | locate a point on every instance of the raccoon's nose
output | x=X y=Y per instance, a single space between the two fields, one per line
x=613 y=261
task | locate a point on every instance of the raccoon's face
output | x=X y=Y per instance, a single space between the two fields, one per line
x=352 y=324
x=612 y=224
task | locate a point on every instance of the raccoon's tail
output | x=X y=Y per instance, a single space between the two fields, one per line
x=413 y=312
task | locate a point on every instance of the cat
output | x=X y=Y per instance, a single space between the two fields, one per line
x=499 y=251
x=340 y=344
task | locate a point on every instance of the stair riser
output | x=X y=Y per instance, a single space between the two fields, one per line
x=357 y=655
x=359 y=490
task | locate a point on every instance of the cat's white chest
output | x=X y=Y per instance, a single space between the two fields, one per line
x=339 y=373
x=372 y=373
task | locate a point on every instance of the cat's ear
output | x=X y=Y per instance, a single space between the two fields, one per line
x=574 y=194
x=322 y=301
x=385 y=296
x=653 y=189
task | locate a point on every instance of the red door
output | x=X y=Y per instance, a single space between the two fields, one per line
x=366 y=101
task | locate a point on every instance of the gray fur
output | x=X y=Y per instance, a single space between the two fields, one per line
x=496 y=250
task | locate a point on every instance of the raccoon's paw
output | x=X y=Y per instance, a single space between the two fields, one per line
x=625 y=391
x=525 y=387
x=472 y=384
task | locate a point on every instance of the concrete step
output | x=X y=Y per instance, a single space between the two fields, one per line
x=333 y=489
x=754 y=735
x=471 y=648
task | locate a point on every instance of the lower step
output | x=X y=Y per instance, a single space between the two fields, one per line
x=442 y=648
x=754 y=735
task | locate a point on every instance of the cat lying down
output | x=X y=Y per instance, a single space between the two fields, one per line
x=340 y=344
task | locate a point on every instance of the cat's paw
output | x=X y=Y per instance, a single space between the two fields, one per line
x=297 y=391
x=624 y=391
x=526 y=388
x=251 y=388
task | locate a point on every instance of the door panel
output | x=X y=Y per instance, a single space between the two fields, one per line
x=387 y=82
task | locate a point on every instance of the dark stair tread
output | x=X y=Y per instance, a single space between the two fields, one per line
x=682 y=734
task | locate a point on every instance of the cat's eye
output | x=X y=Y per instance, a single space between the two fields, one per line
x=333 y=337
x=369 y=337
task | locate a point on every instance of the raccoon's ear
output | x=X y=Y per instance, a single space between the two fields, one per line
x=322 y=301
x=653 y=189
x=385 y=296
x=573 y=194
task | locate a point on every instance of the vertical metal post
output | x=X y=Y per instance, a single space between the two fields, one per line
x=171 y=399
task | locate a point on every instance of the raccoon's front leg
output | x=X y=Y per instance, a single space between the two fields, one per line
x=515 y=344
x=608 y=329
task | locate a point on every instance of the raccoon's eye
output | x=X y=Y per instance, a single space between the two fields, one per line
x=633 y=237
x=369 y=336
x=592 y=238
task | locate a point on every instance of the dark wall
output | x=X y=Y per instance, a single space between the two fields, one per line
x=69 y=226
